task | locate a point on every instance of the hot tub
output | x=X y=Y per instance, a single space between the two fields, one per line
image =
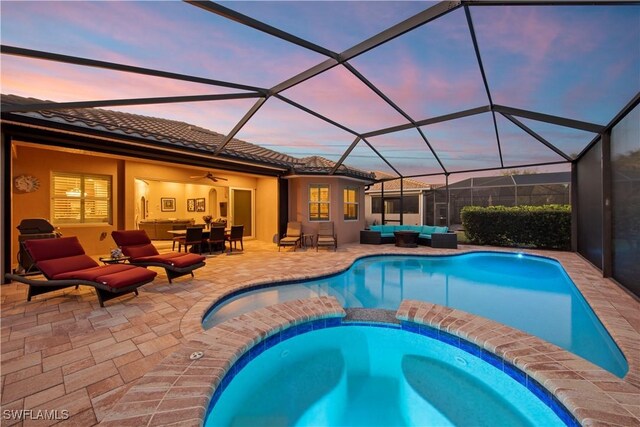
x=358 y=374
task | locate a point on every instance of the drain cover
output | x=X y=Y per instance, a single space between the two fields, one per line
x=196 y=355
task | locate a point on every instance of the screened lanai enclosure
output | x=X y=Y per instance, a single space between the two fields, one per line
x=426 y=90
x=510 y=190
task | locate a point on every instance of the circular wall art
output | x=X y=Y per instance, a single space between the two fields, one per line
x=26 y=183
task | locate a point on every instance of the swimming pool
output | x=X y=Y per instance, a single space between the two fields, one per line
x=367 y=376
x=531 y=293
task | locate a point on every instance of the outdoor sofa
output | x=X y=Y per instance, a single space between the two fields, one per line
x=379 y=234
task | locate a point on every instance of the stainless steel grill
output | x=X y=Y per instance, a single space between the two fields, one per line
x=32 y=228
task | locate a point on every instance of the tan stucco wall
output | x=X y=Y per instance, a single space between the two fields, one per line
x=164 y=180
x=40 y=163
x=267 y=207
x=347 y=231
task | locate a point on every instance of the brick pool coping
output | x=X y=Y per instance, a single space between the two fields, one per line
x=179 y=389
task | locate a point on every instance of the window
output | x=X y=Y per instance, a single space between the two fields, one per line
x=410 y=204
x=319 y=202
x=350 y=203
x=81 y=199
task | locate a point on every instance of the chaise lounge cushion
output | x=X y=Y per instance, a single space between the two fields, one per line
x=175 y=259
x=65 y=259
x=52 y=268
x=139 y=251
x=136 y=244
x=115 y=275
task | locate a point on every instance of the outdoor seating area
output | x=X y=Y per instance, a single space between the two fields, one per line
x=381 y=234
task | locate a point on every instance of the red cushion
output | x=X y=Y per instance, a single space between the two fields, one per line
x=93 y=273
x=52 y=268
x=175 y=259
x=44 y=249
x=127 y=278
x=130 y=237
x=138 y=251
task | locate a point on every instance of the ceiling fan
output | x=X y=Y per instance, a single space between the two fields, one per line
x=210 y=176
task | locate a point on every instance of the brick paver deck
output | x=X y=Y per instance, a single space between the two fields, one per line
x=61 y=351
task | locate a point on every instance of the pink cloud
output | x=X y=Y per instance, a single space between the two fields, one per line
x=342 y=97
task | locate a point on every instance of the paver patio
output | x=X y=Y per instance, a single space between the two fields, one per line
x=61 y=351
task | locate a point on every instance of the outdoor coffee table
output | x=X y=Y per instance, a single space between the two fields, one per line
x=406 y=239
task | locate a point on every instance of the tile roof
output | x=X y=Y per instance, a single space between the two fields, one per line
x=394 y=185
x=176 y=133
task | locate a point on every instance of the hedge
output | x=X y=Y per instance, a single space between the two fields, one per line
x=547 y=226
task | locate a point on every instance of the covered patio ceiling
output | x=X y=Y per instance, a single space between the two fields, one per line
x=414 y=89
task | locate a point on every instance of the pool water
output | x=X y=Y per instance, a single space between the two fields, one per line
x=530 y=293
x=372 y=376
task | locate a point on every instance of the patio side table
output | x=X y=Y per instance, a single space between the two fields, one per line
x=444 y=240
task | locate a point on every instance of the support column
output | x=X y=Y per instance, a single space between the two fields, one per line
x=6 y=237
x=401 y=201
x=382 y=218
x=607 y=226
x=446 y=176
x=574 y=207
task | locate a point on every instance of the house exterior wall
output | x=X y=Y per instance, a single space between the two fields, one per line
x=347 y=231
x=165 y=180
x=29 y=160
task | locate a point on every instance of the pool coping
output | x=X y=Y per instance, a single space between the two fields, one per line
x=598 y=292
x=180 y=389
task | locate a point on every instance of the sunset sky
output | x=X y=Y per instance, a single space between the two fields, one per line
x=572 y=61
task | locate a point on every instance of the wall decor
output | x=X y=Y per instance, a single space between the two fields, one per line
x=167 y=204
x=191 y=205
x=26 y=183
x=200 y=205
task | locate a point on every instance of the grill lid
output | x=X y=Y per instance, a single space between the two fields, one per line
x=35 y=226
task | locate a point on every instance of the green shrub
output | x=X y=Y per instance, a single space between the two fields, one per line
x=547 y=226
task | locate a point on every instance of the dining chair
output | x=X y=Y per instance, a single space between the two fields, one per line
x=193 y=238
x=176 y=239
x=216 y=238
x=235 y=236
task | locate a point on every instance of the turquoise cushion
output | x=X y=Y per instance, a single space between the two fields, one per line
x=375 y=228
x=416 y=228
x=441 y=229
x=428 y=229
x=424 y=236
x=388 y=228
x=386 y=235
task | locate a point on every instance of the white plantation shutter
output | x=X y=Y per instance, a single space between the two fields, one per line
x=81 y=199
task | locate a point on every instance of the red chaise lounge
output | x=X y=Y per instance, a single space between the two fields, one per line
x=64 y=263
x=137 y=245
